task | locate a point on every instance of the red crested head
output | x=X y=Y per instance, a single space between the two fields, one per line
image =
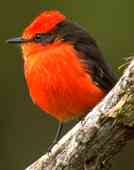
x=45 y=22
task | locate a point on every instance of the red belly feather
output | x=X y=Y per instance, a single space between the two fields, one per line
x=59 y=84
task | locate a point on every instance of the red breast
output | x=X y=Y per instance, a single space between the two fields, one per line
x=58 y=82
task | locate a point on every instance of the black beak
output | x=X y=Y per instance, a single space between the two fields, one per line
x=17 y=40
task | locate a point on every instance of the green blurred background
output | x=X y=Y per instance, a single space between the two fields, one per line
x=25 y=130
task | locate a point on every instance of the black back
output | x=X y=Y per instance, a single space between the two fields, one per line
x=101 y=72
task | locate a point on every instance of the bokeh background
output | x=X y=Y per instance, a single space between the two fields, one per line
x=25 y=131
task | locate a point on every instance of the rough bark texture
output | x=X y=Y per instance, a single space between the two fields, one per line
x=93 y=142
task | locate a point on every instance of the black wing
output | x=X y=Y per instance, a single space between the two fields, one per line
x=101 y=72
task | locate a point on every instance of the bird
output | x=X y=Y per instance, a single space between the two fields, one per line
x=65 y=71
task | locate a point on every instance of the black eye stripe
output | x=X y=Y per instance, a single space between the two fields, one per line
x=43 y=38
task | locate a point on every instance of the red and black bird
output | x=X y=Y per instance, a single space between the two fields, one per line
x=65 y=71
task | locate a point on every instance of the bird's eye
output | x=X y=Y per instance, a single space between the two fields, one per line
x=43 y=38
x=39 y=37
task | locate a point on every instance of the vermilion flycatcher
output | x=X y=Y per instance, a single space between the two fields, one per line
x=64 y=68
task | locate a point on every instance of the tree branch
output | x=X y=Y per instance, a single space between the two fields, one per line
x=93 y=142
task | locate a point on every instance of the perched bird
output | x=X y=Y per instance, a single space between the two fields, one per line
x=64 y=69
